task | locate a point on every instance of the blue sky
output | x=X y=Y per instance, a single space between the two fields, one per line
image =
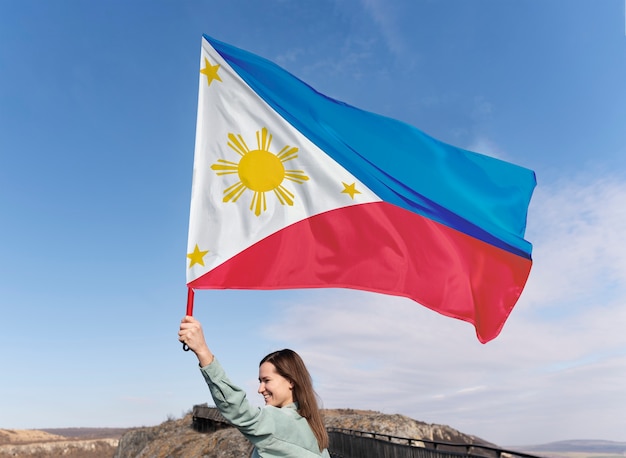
x=97 y=125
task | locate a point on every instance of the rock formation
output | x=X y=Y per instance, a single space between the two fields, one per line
x=177 y=438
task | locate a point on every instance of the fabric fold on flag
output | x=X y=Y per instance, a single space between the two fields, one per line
x=292 y=189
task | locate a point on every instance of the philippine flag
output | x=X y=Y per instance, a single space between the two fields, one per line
x=292 y=189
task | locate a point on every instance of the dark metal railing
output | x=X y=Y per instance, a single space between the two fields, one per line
x=347 y=443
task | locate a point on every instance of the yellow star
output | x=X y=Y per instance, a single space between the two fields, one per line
x=210 y=71
x=196 y=256
x=350 y=189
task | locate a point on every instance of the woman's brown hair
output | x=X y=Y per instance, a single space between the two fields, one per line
x=289 y=365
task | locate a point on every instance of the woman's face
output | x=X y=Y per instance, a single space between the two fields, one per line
x=275 y=389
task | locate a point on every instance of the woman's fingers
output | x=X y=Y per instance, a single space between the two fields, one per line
x=190 y=332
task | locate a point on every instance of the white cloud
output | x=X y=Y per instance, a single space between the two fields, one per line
x=556 y=371
x=579 y=255
x=484 y=145
x=384 y=16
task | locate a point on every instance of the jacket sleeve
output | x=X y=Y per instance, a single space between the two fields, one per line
x=231 y=400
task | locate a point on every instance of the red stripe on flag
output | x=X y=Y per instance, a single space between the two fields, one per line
x=382 y=248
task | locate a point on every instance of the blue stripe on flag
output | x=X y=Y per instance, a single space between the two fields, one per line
x=481 y=196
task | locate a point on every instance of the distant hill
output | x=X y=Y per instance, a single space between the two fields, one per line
x=576 y=449
x=88 y=433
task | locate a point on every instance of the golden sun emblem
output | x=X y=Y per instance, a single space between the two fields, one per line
x=259 y=170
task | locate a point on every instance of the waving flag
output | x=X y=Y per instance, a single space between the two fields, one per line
x=292 y=189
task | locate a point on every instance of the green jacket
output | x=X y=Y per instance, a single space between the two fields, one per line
x=275 y=432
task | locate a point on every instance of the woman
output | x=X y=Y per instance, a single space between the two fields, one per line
x=290 y=424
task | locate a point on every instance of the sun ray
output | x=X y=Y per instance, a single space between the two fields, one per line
x=238 y=144
x=284 y=196
x=234 y=192
x=287 y=153
x=296 y=175
x=258 y=199
x=225 y=167
x=279 y=196
x=264 y=140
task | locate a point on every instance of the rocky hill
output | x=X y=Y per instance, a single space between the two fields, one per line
x=177 y=438
x=75 y=443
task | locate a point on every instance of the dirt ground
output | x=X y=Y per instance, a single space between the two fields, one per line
x=27 y=436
